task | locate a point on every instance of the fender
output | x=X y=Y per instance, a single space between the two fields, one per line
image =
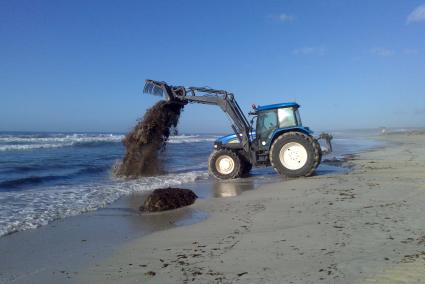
x=232 y=139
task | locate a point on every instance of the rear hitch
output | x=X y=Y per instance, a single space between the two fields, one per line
x=327 y=138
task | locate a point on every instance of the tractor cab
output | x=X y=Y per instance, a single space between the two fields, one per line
x=274 y=119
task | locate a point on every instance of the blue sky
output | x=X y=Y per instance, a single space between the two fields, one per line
x=81 y=65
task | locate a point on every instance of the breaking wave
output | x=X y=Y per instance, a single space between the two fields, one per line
x=190 y=139
x=32 y=146
x=34 y=180
x=48 y=141
x=60 y=138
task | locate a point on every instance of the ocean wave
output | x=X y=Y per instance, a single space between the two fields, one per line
x=34 y=142
x=34 y=167
x=190 y=139
x=32 y=180
x=28 y=142
x=25 y=147
x=60 y=138
x=42 y=207
x=44 y=141
x=91 y=169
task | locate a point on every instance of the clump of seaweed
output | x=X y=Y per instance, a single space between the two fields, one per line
x=148 y=139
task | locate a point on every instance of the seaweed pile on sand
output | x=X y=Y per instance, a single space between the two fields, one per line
x=148 y=139
x=163 y=199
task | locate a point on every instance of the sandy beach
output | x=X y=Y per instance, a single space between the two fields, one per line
x=365 y=226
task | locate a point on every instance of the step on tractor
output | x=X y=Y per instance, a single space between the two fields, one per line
x=279 y=139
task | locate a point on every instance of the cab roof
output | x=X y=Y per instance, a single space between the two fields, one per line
x=274 y=106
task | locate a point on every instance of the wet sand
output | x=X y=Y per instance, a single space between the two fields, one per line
x=57 y=252
x=364 y=226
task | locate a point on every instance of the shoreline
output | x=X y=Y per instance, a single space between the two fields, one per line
x=109 y=190
x=363 y=226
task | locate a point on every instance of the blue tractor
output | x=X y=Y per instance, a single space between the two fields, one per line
x=278 y=140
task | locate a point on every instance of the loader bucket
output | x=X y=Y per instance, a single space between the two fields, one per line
x=170 y=93
x=156 y=88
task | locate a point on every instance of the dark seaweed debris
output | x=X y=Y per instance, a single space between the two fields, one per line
x=148 y=138
x=162 y=199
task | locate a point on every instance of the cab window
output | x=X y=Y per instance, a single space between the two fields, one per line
x=286 y=117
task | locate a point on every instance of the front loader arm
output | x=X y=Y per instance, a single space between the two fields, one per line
x=202 y=95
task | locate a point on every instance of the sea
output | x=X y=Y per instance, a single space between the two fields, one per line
x=50 y=176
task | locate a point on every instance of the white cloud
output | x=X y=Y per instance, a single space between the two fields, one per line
x=310 y=50
x=417 y=15
x=410 y=51
x=384 y=52
x=285 y=17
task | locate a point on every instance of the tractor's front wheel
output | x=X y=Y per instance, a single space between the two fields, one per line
x=295 y=154
x=225 y=164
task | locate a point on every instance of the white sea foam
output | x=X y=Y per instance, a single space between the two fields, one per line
x=42 y=207
x=74 y=138
x=32 y=146
x=190 y=139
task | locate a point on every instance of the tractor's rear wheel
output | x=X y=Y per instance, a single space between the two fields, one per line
x=225 y=164
x=295 y=154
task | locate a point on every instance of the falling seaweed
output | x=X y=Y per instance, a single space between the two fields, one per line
x=148 y=139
